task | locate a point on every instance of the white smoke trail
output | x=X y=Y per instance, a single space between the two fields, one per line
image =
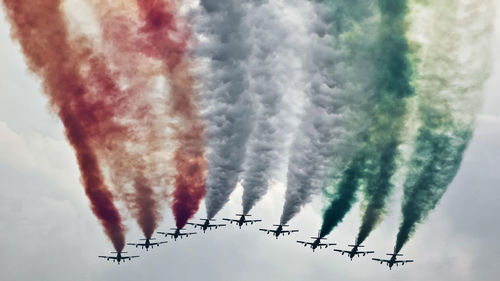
x=223 y=46
x=276 y=74
x=337 y=93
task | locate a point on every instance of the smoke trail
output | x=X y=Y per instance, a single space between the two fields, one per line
x=167 y=39
x=40 y=28
x=134 y=160
x=273 y=66
x=375 y=164
x=338 y=95
x=229 y=113
x=454 y=65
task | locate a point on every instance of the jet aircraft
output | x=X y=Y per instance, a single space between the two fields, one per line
x=206 y=224
x=393 y=260
x=279 y=230
x=176 y=234
x=354 y=251
x=118 y=258
x=242 y=220
x=147 y=243
x=316 y=243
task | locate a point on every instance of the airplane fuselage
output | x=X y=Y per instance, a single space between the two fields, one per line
x=241 y=221
x=353 y=252
x=147 y=244
x=316 y=243
x=392 y=261
x=205 y=225
x=278 y=231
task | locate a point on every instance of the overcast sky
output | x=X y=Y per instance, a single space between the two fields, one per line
x=48 y=232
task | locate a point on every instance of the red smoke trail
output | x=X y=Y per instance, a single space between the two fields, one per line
x=40 y=28
x=167 y=38
x=135 y=159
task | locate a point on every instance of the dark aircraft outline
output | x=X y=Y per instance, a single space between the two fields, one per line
x=279 y=230
x=176 y=234
x=206 y=225
x=354 y=251
x=393 y=260
x=147 y=244
x=242 y=220
x=118 y=258
x=317 y=243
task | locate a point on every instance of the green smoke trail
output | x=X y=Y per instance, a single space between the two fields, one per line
x=454 y=65
x=374 y=163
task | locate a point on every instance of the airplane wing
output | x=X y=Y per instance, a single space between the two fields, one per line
x=129 y=257
x=108 y=257
x=252 y=221
x=267 y=230
x=163 y=233
x=138 y=244
x=305 y=243
x=364 y=252
x=158 y=243
x=230 y=220
x=289 y=231
x=195 y=224
x=340 y=251
x=326 y=244
x=215 y=225
x=381 y=260
x=403 y=261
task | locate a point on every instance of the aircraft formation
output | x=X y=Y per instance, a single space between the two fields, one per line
x=158 y=120
x=241 y=221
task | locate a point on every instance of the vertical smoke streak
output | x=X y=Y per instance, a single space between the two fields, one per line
x=167 y=38
x=135 y=160
x=375 y=162
x=455 y=57
x=273 y=64
x=229 y=113
x=338 y=93
x=41 y=29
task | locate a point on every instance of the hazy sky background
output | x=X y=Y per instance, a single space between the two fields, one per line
x=48 y=232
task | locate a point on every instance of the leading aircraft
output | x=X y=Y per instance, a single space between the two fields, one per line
x=393 y=260
x=242 y=220
x=147 y=244
x=279 y=230
x=316 y=243
x=354 y=251
x=118 y=258
x=176 y=234
x=206 y=224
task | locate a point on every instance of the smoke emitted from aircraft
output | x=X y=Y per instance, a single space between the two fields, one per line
x=322 y=132
x=168 y=36
x=454 y=65
x=40 y=28
x=146 y=208
x=375 y=162
x=274 y=66
x=229 y=111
